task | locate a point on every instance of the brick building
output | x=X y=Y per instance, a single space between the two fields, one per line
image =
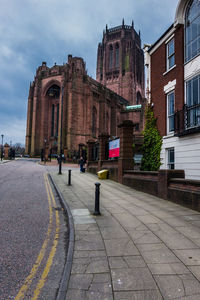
x=86 y=108
x=89 y=108
x=173 y=68
x=120 y=62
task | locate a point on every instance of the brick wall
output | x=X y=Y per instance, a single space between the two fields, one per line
x=158 y=80
x=80 y=95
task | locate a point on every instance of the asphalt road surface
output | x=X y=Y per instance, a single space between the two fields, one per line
x=33 y=233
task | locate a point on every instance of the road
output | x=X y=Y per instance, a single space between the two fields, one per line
x=33 y=233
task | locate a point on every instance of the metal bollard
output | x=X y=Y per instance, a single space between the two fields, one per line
x=97 y=193
x=69 y=177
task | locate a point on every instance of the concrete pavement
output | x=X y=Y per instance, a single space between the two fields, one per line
x=141 y=247
x=3 y=161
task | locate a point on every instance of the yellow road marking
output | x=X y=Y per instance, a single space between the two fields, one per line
x=40 y=257
x=52 y=253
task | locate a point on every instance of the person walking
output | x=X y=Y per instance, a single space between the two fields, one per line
x=82 y=163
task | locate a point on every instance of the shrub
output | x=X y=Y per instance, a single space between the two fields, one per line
x=152 y=143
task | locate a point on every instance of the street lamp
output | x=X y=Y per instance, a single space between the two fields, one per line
x=61 y=119
x=2 y=147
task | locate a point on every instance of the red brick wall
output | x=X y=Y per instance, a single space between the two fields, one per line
x=80 y=95
x=158 y=80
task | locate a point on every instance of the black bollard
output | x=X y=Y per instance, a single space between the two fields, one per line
x=69 y=177
x=97 y=193
x=60 y=165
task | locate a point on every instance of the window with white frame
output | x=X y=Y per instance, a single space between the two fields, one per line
x=193 y=102
x=170 y=112
x=170 y=54
x=170 y=159
x=192 y=30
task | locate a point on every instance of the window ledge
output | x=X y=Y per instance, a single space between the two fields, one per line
x=188 y=131
x=169 y=70
x=169 y=135
x=188 y=61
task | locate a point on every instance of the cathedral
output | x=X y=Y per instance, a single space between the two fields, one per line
x=67 y=108
x=120 y=62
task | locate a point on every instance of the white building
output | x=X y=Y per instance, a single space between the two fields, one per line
x=173 y=89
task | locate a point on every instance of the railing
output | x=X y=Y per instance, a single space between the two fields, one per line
x=119 y=28
x=187 y=120
x=115 y=28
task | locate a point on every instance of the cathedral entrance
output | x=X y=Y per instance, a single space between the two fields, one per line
x=51 y=125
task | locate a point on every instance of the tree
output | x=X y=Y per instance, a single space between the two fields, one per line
x=19 y=149
x=151 y=147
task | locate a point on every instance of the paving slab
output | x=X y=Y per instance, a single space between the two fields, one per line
x=139 y=248
x=138 y=295
x=168 y=269
x=177 y=286
x=190 y=257
x=132 y=279
x=120 y=247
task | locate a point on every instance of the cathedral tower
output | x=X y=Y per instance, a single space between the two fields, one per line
x=120 y=62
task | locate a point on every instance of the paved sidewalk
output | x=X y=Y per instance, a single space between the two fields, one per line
x=54 y=162
x=3 y=161
x=141 y=247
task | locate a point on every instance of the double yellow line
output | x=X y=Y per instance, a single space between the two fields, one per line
x=31 y=276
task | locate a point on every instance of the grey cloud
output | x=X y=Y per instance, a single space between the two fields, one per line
x=33 y=31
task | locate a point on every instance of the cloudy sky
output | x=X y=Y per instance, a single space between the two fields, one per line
x=32 y=31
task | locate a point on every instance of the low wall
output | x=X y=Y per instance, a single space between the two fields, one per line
x=146 y=182
x=166 y=184
x=92 y=167
x=185 y=192
x=112 y=167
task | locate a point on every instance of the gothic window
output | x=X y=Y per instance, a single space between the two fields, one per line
x=107 y=123
x=57 y=121
x=54 y=91
x=94 y=121
x=127 y=62
x=110 y=57
x=192 y=30
x=117 y=55
x=139 y=66
x=52 y=120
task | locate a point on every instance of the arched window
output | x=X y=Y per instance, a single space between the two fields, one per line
x=94 y=121
x=107 y=123
x=117 y=55
x=192 y=30
x=52 y=120
x=110 y=57
x=57 y=120
x=54 y=91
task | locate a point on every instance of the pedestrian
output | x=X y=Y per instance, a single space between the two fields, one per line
x=81 y=163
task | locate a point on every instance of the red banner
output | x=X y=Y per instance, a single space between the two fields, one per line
x=114 y=148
